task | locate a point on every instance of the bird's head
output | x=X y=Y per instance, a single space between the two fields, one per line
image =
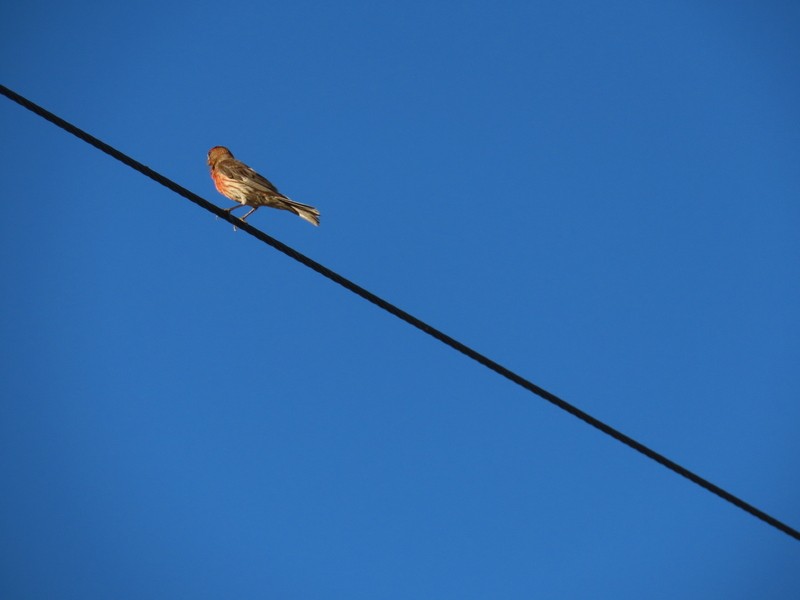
x=218 y=153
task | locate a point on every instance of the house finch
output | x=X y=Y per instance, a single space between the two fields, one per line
x=237 y=181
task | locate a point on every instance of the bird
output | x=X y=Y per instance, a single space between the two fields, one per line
x=235 y=180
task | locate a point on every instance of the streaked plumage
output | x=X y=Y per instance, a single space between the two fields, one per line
x=235 y=180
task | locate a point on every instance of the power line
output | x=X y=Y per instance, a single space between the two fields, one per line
x=401 y=314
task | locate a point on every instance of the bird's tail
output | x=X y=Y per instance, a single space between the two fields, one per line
x=304 y=211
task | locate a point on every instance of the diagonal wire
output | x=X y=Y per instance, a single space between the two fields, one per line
x=401 y=314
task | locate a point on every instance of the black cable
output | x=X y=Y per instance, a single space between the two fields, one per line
x=401 y=314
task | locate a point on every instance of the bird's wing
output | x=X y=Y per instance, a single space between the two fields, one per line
x=239 y=171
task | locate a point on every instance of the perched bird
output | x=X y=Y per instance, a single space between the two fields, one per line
x=237 y=181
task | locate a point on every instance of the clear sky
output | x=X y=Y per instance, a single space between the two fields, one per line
x=603 y=196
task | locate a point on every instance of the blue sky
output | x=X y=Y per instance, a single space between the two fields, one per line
x=602 y=196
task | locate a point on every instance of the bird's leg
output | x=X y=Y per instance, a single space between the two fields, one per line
x=235 y=206
x=252 y=210
x=230 y=210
